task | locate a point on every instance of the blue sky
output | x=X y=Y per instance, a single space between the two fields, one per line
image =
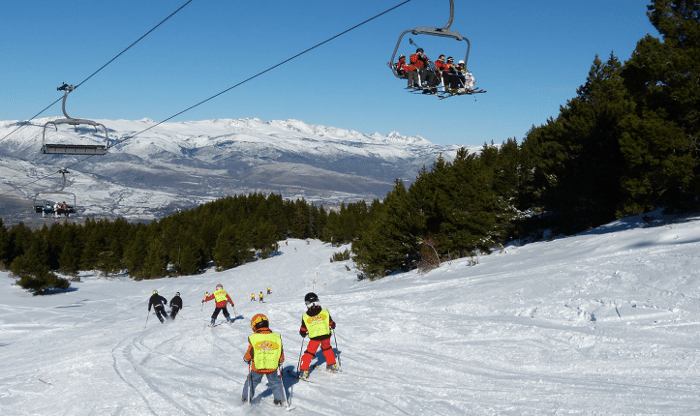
x=530 y=56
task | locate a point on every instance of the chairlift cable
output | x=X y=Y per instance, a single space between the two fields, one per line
x=262 y=72
x=100 y=69
x=248 y=79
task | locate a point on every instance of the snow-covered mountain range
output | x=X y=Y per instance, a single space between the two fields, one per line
x=153 y=169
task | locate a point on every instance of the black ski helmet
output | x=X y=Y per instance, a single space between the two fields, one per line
x=310 y=298
x=419 y=50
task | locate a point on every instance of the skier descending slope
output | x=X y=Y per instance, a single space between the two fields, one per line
x=175 y=305
x=264 y=356
x=158 y=302
x=222 y=298
x=317 y=324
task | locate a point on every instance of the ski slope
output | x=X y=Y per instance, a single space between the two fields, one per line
x=602 y=323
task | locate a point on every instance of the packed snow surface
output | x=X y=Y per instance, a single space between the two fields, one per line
x=602 y=323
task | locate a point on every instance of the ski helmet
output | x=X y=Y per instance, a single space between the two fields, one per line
x=177 y=294
x=419 y=50
x=155 y=292
x=402 y=56
x=219 y=286
x=310 y=298
x=259 y=321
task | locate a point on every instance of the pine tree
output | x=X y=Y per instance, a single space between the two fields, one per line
x=4 y=245
x=32 y=268
x=662 y=138
x=388 y=244
x=155 y=262
x=231 y=248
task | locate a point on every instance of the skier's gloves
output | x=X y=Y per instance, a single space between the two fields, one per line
x=302 y=333
x=332 y=325
x=247 y=361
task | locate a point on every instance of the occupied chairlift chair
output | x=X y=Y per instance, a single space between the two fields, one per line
x=444 y=32
x=50 y=196
x=73 y=149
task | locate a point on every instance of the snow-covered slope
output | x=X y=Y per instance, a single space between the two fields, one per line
x=150 y=170
x=602 y=323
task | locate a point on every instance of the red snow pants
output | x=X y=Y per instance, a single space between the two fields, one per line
x=311 y=351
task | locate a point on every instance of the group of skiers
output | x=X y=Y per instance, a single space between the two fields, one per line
x=57 y=209
x=423 y=73
x=260 y=297
x=158 y=302
x=265 y=353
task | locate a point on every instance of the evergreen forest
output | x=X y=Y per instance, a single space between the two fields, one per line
x=626 y=144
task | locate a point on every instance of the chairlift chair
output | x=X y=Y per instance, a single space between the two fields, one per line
x=444 y=32
x=73 y=149
x=50 y=196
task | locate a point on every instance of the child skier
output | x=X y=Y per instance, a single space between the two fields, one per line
x=175 y=305
x=261 y=297
x=317 y=324
x=268 y=290
x=264 y=356
x=222 y=298
x=252 y=297
x=158 y=302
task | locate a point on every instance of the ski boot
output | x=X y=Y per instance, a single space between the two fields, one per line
x=304 y=375
x=279 y=403
x=332 y=368
x=213 y=321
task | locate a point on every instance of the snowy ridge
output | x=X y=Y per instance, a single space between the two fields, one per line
x=181 y=164
x=601 y=323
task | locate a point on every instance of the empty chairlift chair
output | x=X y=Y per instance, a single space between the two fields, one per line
x=74 y=148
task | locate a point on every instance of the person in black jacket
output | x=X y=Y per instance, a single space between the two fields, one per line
x=158 y=302
x=175 y=305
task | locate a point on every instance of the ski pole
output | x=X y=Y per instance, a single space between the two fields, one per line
x=149 y=313
x=302 y=349
x=337 y=355
x=250 y=385
x=283 y=389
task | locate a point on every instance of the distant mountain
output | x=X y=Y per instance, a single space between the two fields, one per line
x=147 y=174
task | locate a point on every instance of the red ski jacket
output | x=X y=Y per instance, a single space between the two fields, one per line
x=441 y=66
x=418 y=61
